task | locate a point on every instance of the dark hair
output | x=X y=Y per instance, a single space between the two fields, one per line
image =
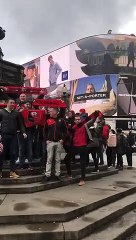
x=73 y=113
x=119 y=130
x=50 y=57
x=10 y=99
x=31 y=66
x=77 y=115
x=113 y=131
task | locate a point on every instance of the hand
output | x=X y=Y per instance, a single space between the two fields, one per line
x=24 y=135
x=48 y=141
x=1 y=147
x=61 y=141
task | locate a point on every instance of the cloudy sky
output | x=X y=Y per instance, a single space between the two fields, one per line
x=35 y=27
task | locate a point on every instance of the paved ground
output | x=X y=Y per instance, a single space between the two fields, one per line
x=125 y=160
x=64 y=199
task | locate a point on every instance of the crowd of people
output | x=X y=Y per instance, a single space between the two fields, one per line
x=77 y=133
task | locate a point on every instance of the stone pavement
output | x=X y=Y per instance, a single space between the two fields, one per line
x=70 y=212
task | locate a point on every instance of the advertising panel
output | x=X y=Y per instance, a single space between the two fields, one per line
x=55 y=68
x=94 y=93
x=126 y=96
x=103 y=54
x=32 y=73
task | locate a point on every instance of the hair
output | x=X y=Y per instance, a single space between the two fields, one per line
x=113 y=131
x=119 y=130
x=90 y=84
x=10 y=99
x=77 y=115
x=31 y=66
x=50 y=57
x=73 y=113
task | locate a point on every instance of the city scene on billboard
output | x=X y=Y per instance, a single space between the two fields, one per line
x=94 y=93
x=126 y=96
x=104 y=54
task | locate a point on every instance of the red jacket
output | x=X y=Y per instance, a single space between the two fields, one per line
x=79 y=135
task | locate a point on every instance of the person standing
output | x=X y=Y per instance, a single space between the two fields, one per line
x=111 y=148
x=78 y=147
x=131 y=141
x=54 y=71
x=26 y=144
x=10 y=121
x=55 y=133
x=122 y=145
x=102 y=132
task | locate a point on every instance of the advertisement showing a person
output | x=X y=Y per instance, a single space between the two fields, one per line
x=55 y=68
x=54 y=71
x=97 y=92
x=32 y=73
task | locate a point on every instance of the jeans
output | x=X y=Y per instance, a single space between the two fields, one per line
x=9 y=149
x=83 y=152
x=54 y=150
x=25 y=148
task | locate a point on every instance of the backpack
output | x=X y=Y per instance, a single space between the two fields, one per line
x=112 y=140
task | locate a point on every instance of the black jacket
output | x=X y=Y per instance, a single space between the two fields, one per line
x=55 y=129
x=11 y=122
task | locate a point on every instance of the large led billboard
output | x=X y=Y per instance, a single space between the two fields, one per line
x=94 y=62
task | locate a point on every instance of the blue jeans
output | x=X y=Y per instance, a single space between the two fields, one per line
x=25 y=148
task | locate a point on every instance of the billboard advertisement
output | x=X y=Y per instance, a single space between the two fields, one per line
x=94 y=93
x=103 y=54
x=32 y=73
x=55 y=68
x=126 y=95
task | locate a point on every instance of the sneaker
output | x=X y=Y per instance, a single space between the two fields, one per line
x=96 y=171
x=30 y=168
x=109 y=167
x=81 y=183
x=47 y=179
x=69 y=176
x=14 y=175
x=129 y=167
x=57 y=178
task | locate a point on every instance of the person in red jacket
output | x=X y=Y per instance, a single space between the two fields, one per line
x=80 y=141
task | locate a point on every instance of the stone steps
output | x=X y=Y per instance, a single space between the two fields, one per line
x=25 y=212
x=38 y=169
x=96 y=219
x=16 y=188
x=119 y=229
x=33 y=176
x=80 y=227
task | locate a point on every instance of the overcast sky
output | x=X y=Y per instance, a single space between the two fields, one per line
x=35 y=27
